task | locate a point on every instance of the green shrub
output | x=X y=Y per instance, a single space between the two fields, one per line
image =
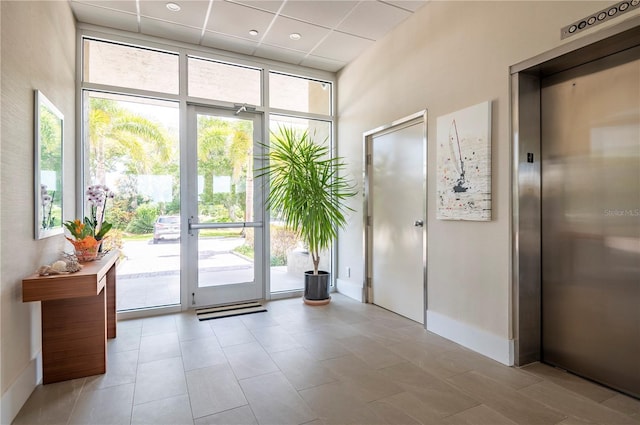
x=143 y=220
x=278 y=260
x=245 y=250
x=173 y=207
x=118 y=214
x=113 y=240
x=220 y=214
x=283 y=240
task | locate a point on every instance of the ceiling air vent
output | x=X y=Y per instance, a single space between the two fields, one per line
x=599 y=17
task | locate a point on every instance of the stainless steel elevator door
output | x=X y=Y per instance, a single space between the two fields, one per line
x=591 y=221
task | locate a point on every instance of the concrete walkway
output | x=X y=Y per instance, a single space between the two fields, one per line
x=149 y=275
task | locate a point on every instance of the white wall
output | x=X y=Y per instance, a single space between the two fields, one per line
x=447 y=56
x=38 y=52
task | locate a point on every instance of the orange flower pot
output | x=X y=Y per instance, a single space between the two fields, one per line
x=86 y=249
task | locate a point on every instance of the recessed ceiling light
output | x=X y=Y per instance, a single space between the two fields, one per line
x=295 y=36
x=174 y=7
x=253 y=32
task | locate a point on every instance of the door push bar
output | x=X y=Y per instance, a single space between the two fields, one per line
x=243 y=224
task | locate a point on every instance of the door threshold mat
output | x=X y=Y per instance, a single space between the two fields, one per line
x=229 y=310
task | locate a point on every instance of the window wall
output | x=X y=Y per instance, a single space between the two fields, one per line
x=299 y=94
x=134 y=99
x=215 y=80
x=131 y=146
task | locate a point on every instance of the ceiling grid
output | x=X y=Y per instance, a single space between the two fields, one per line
x=332 y=32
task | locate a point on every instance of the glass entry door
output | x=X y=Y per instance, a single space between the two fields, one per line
x=224 y=209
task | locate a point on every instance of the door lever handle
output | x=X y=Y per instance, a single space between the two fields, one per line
x=419 y=223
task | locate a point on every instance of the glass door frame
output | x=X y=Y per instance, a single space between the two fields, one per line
x=198 y=296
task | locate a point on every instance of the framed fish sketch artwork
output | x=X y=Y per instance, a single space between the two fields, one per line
x=464 y=164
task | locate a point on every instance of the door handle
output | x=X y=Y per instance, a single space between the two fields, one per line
x=419 y=223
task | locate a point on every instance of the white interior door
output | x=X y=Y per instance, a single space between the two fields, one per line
x=396 y=204
x=225 y=243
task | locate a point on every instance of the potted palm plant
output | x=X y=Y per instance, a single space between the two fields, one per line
x=307 y=190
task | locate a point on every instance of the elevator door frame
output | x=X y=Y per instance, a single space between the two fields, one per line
x=526 y=177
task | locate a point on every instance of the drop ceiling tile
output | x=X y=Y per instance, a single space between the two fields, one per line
x=236 y=19
x=342 y=47
x=105 y=17
x=278 y=35
x=373 y=19
x=192 y=12
x=319 y=12
x=324 y=64
x=268 y=5
x=128 y=6
x=411 y=5
x=231 y=44
x=169 y=30
x=279 y=54
x=230 y=21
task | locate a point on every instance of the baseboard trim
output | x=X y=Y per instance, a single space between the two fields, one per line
x=18 y=393
x=488 y=344
x=350 y=289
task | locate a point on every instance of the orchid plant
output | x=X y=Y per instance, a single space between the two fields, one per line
x=94 y=225
x=97 y=196
x=46 y=202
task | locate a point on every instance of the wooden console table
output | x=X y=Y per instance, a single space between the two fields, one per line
x=78 y=315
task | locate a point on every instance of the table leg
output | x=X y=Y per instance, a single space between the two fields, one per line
x=111 y=302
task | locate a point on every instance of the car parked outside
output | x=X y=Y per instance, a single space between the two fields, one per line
x=166 y=227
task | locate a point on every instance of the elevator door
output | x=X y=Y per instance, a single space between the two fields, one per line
x=591 y=221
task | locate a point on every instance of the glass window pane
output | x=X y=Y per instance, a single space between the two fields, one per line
x=289 y=257
x=126 y=66
x=299 y=94
x=132 y=147
x=220 y=81
x=320 y=131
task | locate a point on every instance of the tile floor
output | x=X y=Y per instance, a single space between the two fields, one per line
x=345 y=363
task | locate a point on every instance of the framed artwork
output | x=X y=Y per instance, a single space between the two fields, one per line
x=464 y=164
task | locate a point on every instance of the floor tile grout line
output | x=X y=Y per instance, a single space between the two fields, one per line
x=186 y=381
x=570 y=390
x=529 y=398
x=564 y=415
x=264 y=374
x=75 y=402
x=238 y=382
x=474 y=407
x=135 y=382
x=581 y=397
